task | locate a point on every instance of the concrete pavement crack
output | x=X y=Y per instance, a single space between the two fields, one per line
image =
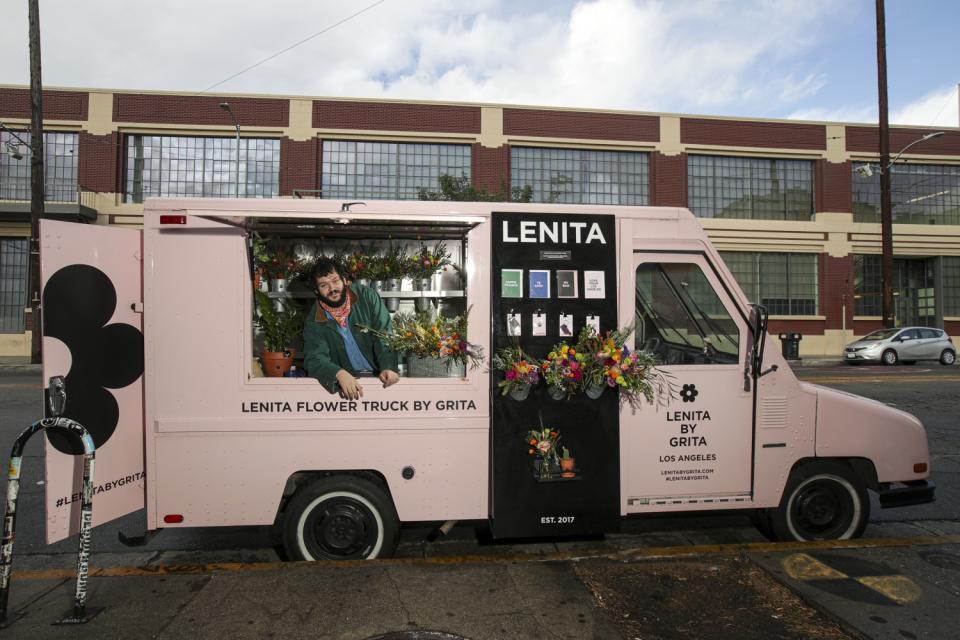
x=396 y=587
x=42 y=594
x=180 y=608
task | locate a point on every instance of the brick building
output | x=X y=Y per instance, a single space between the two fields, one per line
x=793 y=206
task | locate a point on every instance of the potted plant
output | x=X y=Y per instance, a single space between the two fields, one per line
x=563 y=371
x=433 y=346
x=521 y=371
x=260 y=255
x=542 y=445
x=280 y=327
x=567 y=464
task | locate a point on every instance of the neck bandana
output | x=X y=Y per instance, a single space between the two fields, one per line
x=341 y=313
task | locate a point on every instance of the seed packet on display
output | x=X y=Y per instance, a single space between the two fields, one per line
x=566 y=283
x=566 y=326
x=594 y=321
x=539 y=324
x=513 y=324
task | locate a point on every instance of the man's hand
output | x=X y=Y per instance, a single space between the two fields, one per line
x=388 y=378
x=349 y=387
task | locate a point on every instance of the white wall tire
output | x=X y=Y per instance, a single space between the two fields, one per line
x=340 y=518
x=822 y=501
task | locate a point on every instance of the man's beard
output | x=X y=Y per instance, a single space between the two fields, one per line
x=330 y=303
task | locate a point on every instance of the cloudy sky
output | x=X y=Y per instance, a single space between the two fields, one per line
x=805 y=59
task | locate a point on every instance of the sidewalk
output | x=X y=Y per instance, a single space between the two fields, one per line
x=901 y=583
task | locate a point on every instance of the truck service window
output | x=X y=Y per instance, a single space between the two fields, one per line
x=680 y=318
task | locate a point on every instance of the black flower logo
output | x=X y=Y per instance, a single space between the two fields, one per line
x=78 y=301
x=689 y=393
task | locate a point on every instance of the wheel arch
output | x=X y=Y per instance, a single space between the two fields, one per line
x=864 y=469
x=300 y=478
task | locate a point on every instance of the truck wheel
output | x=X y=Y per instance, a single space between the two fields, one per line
x=761 y=520
x=822 y=501
x=340 y=518
x=948 y=357
x=889 y=357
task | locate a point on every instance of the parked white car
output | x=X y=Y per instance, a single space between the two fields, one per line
x=905 y=344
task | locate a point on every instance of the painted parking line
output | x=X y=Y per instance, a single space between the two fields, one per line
x=680 y=551
x=850 y=576
x=898 y=379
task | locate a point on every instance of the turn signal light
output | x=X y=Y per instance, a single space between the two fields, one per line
x=173 y=518
x=173 y=219
x=920 y=467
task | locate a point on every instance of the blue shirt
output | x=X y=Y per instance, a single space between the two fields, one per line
x=357 y=361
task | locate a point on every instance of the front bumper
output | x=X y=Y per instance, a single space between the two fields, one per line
x=861 y=356
x=902 y=494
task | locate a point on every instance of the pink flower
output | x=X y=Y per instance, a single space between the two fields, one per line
x=511 y=375
x=543 y=446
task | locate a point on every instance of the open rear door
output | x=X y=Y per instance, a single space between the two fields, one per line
x=92 y=335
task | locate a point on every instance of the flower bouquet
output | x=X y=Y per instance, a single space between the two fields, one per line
x=422 y=337
x=423 y=265
x=563 y=371
x=611 y=364
x=542 y=443
x=426 y=261
x=356 y=264
x=520 y=371
x=280 y=267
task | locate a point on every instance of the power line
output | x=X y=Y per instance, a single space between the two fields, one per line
x=293 y=46
x=945 y=102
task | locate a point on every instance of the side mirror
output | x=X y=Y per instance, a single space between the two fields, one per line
x=904 y=338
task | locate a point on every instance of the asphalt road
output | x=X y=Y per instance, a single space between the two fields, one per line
x=929 y=392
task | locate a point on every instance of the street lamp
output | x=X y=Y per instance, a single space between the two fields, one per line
x=14 y=149
x=226 y=107
x=866 y=170
x=886 y=224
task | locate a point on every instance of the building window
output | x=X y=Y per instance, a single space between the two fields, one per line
x=59 y=167
x=785 y=283
x=581 y=176
x=752 y=188
x=919 y=193
x=388 y=170
x=951 y=286
x=13 y=284
x=180 y=166
x=867 y=289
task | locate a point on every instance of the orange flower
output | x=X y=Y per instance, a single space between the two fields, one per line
x=533 y=441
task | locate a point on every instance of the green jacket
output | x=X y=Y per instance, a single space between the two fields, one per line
x=324 y=351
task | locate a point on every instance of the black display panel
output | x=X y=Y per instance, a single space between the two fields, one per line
x=522 y=503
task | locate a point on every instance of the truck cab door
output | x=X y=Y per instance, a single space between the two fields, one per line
x=696 y=441
x=91 y=299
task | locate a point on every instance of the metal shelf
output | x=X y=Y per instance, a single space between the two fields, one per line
x=406 y=295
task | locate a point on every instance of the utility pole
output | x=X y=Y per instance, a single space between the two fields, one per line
x=36 y=180
x=886 y=213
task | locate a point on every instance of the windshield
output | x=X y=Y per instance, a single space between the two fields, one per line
x=882 y=334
